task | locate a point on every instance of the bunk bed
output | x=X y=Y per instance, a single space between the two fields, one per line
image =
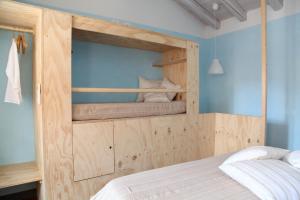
x=76 y=158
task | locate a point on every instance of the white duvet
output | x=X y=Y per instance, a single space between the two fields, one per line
x=203 y=180
x=268 y=179
x=197 y=180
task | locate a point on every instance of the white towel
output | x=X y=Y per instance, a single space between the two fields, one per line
x=13 y=89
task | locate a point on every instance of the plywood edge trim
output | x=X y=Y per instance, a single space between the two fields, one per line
x=101 y=26
x=18 y=174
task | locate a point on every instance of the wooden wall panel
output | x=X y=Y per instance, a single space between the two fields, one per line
x=147 y=143
x=193 y=78
x=133 y=145
x=57 y=105
x=176 y=73
x=18 y=14
x=206 y=133
x=93 y=150
x=126 y=32
x=235 y=132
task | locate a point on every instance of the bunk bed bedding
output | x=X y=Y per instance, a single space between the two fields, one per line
x=196 y=180
x=125 y=110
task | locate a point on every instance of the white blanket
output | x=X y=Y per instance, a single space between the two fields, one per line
x=197 y=180
x=268 y=179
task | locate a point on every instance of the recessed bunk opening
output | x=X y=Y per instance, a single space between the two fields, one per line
x=107 y=71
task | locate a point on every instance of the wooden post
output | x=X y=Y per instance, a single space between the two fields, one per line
x=57 y=126
x=192 y=78
x=264 y=64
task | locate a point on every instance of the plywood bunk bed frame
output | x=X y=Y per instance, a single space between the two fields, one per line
x=76 y=159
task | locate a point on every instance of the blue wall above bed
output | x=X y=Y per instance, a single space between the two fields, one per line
x=238 y=90
x=96 y=65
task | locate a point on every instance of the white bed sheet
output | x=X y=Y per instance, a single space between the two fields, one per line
x=194 y=180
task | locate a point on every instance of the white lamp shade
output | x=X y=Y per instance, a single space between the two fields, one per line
x=216 y=67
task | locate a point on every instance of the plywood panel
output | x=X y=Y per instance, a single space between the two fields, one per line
x=18 y=14
x=125 y=32
x=192 y=78
x=235 y=132
x=93 y=150
x=177 y=73
x=118 y=41
x=133 y=145
x=57 y=122
x=81 y=190
x=147 y=143
x=206 y=133
x=18 y=174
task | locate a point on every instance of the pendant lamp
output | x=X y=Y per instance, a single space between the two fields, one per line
x=215 y=67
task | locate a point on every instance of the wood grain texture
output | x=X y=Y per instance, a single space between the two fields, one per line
x=18 y=174
x=57 y=125
x=206 y=131
x=192 y=99
x=18 y=14
x=125 y=90
x=176 y=72
x=264 y=70
x=142 y=144
x=236 y=132
x=122 y=32
x=114 y=40
x=16 y=29
x=172 y=62
x=226 y=133
x=37 y=71
x=93 y=150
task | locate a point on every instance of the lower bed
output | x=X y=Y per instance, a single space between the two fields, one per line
x=125 y=110
x=194 y=180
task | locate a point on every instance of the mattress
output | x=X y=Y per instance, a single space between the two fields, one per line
x=125 y=110
x=194 y=180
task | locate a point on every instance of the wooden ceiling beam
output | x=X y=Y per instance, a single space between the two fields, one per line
x=203 y=14
x=235 y=8
x=276 y=4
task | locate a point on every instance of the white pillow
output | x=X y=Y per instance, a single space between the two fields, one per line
x=156 y=97
x=268 y=179
x=144 y=83
x=169 y=85
x=257 y=153
x=293 y=158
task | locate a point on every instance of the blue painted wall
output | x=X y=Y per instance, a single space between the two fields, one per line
x=96 y=65
x=238 y=90
x=16 y=122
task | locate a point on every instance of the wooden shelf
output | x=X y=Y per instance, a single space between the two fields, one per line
x=124 y=90
x=18 y=174
x=173 y=62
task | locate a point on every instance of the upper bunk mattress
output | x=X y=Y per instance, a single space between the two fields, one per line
x=196 y=180
x=125 y=110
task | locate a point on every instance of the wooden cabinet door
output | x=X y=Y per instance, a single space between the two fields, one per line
x=93 y=149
